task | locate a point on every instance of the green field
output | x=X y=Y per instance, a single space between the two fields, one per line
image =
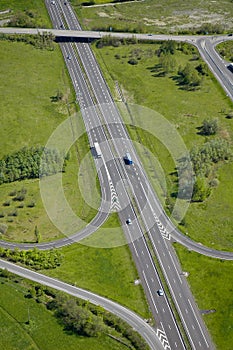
x=211 y=281
x=37 y=7
x=226 y=50
x=108 y=271
x=44 y=331
x=28 y=118
x=150 y=16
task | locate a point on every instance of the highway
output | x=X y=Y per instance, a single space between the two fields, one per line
x=140 y=325
x=132 y=185
x=216 y=63
x=205 y=45
x=134 y=234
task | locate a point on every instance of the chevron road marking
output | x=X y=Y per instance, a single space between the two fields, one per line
x=115 y=205
x=162 y=337
x=162 y=229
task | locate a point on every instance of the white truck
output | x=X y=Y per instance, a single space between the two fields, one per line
x=97 y=150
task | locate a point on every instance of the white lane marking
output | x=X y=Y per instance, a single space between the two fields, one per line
x=199 y=325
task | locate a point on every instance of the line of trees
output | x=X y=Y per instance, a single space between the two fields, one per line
x=108 y=40
x=30 y=163
x=77 y=315
x=38 y=259
x=39 y=41
x=86 y=319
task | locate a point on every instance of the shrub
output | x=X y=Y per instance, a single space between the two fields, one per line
x=31 y=204
x=13 y=193
x=3 y=228
x=133 y=61
x=209 y=127
x=13 y=213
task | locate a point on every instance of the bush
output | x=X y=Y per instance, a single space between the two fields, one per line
x=13 y=193
x=189 y=78
x=20 y=197
x=3 y=228
x=133 y=61
x=31 y=204
x=21 y=205
x=35 y=258
x=209 y=127
x=13 y=213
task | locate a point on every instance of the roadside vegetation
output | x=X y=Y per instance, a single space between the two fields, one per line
x=225 y=49
x=42 y=104
x=151 y=16
x=25 y=13
x=205 y=128
x=40 y=41
x=36 y=259
x=29 y=320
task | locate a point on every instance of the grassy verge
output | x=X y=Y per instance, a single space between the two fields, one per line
x=37 y=8
x=29 y=117
x=186 y=110
x=155 y=17
x=44 y=331
x=106 y=271
x=226 y=50
x=211 y=281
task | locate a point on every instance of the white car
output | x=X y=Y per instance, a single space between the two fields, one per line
x=53 y=2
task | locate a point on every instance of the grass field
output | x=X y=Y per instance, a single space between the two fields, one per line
x=109 y=272
x=28 y=117
x=226 y=50
x=186 y=110
x=155 y=16
x=44 y=330
x=211 y=281
x=37 y=6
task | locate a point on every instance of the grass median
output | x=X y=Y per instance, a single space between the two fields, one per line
x=104 y=265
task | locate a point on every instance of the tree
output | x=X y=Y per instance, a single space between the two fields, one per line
x=202 y=68
x=201 y=190
x=37 y=234
x=167 y=62
x=189 y=77
x=209 y=127
x=167 y=47
x=133 y=61
x=59 y=95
